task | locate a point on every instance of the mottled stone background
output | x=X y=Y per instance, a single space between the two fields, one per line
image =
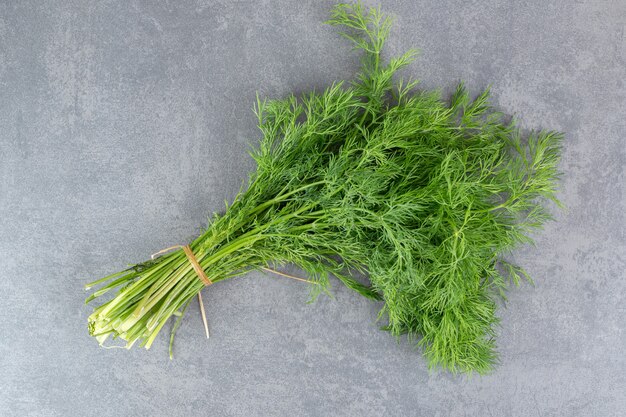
x=123 y=124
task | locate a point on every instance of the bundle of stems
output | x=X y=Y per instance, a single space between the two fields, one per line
x=422 y=195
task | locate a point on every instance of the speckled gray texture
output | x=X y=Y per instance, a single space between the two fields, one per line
x=123 y=124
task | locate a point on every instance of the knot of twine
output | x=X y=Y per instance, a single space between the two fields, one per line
x=201 y=274
x=192 y=260
x=199 y=271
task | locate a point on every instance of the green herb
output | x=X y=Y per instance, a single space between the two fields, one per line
x=373 y=177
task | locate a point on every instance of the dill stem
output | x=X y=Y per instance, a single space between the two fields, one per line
x=282 y=197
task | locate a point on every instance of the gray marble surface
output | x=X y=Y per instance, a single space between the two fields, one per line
x=123 y=124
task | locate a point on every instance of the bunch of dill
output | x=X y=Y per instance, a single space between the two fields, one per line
x=422 y=195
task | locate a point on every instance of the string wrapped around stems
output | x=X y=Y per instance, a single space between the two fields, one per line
x=207 y=281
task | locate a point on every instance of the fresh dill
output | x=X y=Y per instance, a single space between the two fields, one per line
x=423 y=195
